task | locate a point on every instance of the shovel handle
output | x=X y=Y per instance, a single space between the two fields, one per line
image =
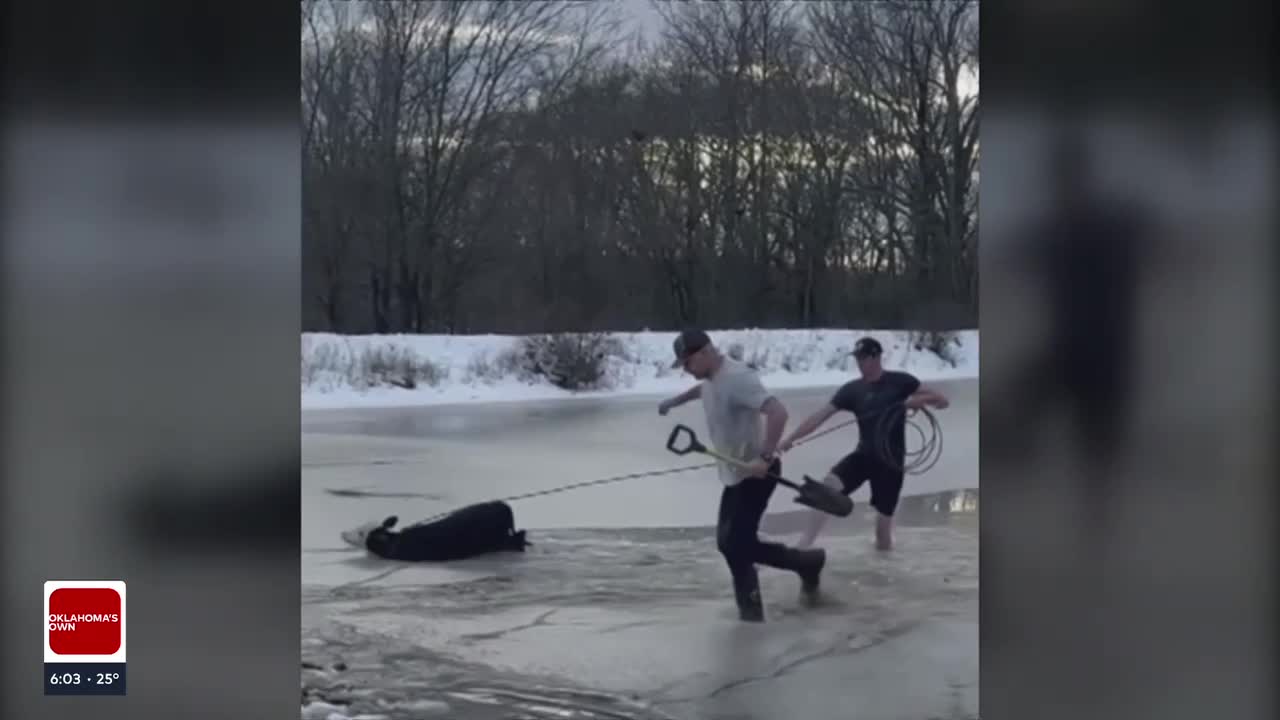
x=783 y=481
x=691 y=444
x=840 y=506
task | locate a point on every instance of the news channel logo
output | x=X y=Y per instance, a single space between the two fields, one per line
x=84 y=637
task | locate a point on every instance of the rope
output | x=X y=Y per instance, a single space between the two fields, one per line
x=916 y=463
x=578 y=485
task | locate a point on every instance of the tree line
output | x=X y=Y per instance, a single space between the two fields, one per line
x=524 y=167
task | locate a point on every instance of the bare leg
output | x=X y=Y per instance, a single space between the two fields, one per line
x=884 y=532
x=817 y=518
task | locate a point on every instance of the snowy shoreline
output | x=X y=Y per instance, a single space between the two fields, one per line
x=476 y=369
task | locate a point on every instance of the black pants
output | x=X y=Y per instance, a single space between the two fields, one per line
x=737 y=535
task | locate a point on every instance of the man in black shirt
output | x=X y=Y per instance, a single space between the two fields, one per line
x=879 y=399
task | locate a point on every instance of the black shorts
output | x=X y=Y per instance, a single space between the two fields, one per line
x=886 y=481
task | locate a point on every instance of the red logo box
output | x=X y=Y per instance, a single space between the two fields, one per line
x=84 y=621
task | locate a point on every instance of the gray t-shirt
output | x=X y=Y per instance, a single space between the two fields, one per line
x=732 y=400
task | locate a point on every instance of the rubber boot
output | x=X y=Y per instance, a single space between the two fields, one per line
x=750 y=606
x=809 y=565
x=746 y=591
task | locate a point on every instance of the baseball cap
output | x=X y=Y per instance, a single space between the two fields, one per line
x=867 y=347
x=688 y=343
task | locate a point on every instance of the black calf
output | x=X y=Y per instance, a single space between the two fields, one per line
x=474 y=530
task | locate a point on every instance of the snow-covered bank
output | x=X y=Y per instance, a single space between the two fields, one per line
x=341 y=371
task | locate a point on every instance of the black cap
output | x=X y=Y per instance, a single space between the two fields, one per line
x=688 y=343
x=867 y=347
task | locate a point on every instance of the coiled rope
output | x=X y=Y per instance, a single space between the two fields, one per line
x=913 y=462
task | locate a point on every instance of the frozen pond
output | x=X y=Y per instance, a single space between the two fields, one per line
x=622 y=608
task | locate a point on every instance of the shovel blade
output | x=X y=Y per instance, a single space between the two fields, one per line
x=824 y=498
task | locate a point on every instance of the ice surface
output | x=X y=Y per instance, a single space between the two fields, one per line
x=622 y=607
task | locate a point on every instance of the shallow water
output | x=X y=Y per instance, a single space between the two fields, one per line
x=634 y=618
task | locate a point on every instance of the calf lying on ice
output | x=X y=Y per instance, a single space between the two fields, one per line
x=466 y=533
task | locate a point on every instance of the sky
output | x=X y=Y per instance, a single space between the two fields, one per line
x=640 y=16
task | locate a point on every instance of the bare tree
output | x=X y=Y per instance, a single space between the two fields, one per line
x=498 y=166
x=332 y=170
x=902 y=65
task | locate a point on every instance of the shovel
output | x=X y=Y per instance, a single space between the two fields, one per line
x=812 y=493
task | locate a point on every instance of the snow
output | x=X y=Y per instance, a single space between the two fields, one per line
x=426 y=706
x=479 y=368
x=322 y=711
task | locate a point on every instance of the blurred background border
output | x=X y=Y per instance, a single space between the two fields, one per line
x=151 y=304
x=1127 y=314
x=151 y=316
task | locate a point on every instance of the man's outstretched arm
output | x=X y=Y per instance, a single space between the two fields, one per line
x=811 y=423
x=689 y=395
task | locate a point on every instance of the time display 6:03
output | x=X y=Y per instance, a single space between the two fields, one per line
x=85 y=678
x=75 y=679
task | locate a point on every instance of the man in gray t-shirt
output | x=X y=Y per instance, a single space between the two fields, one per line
x=734 y=400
